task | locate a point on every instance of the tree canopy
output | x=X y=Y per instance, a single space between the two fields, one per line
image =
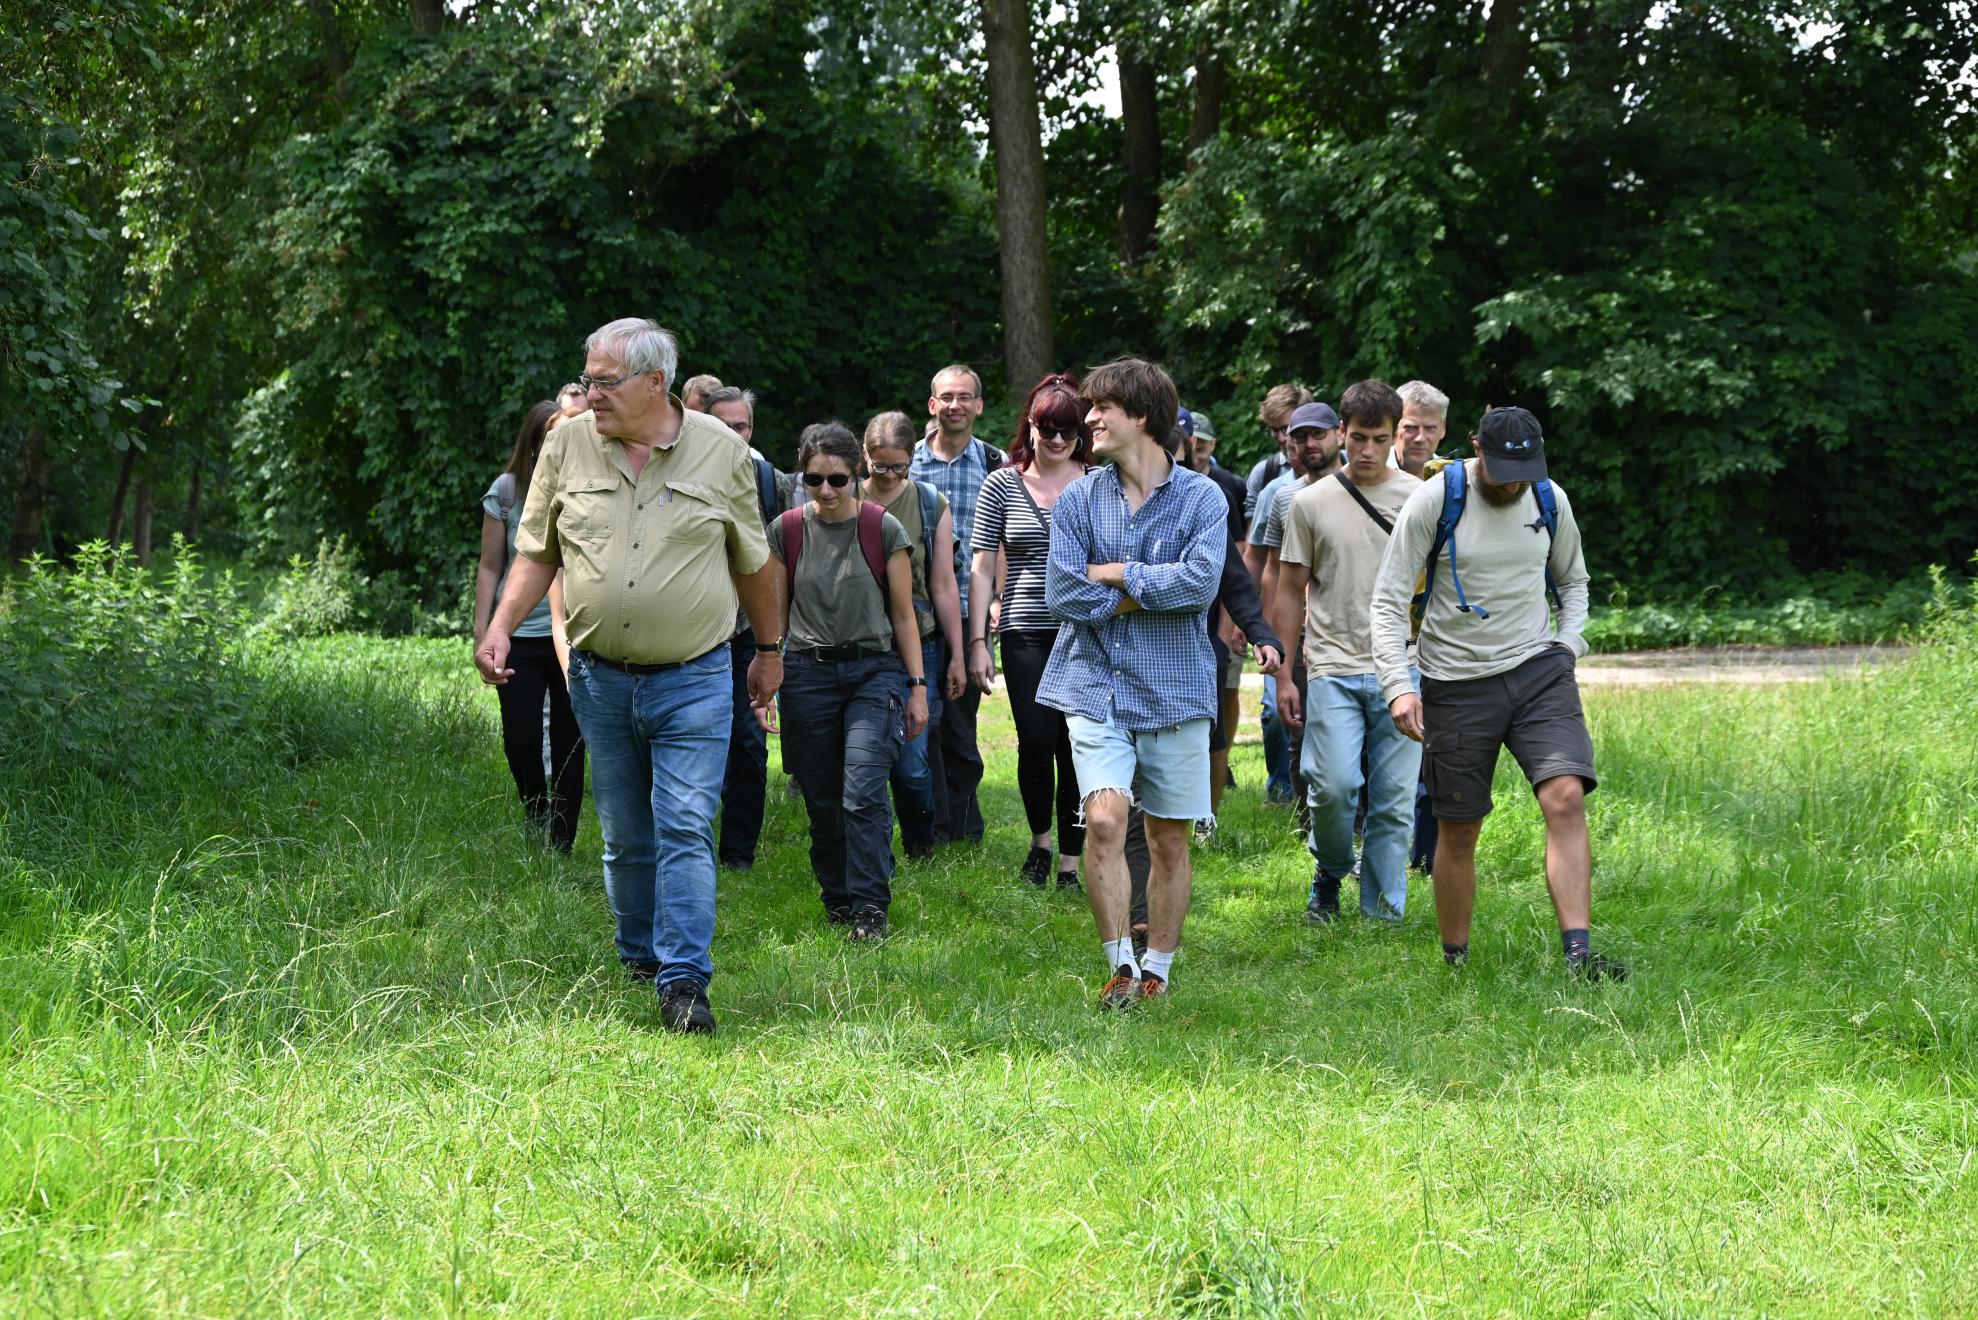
x=316 y=262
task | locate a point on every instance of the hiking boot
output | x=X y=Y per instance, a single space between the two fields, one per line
x=1037 y=867
x=1068 y=881
x=1591 y=966
x=918 y=850
x=642 y=972
x=683 y=1008
x=1152 y=986
x=1123 y=991
x=838 y=916
x=1322 y=905
x=868 y=926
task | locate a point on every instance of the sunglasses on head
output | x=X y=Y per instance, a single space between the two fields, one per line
x=838 y=480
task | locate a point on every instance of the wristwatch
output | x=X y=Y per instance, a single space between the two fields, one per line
x=768 y=648
x=916 y=682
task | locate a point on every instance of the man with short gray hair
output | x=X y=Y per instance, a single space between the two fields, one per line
x=696 y=391
x=1424 y=421
x=651 y=512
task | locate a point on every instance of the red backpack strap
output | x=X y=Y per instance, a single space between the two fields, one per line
x=790 y=524
x=872 y=542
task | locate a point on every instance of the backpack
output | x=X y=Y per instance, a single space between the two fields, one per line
x=765 y=489
x=872 y=543
x=1455 y=494
x=930 y=517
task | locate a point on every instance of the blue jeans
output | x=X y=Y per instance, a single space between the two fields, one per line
x=659 y=746
x=913 y=776
x=1277 y=745
x=1345 y=716
x=842 y=727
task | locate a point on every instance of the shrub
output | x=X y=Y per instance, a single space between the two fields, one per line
x=312 y=600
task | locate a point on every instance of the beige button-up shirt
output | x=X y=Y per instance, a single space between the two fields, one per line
x=646 y=559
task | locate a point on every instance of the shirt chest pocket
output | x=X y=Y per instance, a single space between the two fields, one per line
x=590 y=506
x=692 y=514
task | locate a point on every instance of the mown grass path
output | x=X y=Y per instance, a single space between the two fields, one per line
x=311 y=1030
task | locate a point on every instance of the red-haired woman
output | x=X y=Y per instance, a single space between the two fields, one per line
x=1052 y=449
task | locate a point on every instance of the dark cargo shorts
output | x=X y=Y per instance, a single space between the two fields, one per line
x=1534 y=710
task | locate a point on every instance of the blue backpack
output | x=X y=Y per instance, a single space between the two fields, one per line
x=1455 y=494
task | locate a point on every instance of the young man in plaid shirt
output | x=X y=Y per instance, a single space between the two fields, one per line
x=1136 y=557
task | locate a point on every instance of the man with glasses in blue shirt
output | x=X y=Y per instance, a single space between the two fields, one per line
x=1137 y=552
x=953 y=461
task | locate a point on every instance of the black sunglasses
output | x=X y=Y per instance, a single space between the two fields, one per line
x=1057 y=432
x=837 y=479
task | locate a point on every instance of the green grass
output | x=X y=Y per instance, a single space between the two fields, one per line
x=298 y=1023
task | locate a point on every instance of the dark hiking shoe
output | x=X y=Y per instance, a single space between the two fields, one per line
x=917 y=850
x=838 y=916
x=1123 y=991
x=1322 y=905
x=643 y=973
x=868 y=926
x=1591 y=966
x=1037 y=867
x=683 y=1008
x=1152 y=986
x=1068 y=882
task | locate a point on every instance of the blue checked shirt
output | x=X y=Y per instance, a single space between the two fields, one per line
x=961 y=481
x=1152 y=668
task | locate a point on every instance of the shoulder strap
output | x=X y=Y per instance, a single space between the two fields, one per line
x=1548 y=512
x=1380 y=519
x=765 y=488
x=790 y=527
x=930 y=519
x=1455 y=493
x=992 y=457
x=872 y=541
x=1043 y=518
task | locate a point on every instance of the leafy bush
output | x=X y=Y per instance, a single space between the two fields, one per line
x=100 y=661
x=312 y=600
x=1820 y=611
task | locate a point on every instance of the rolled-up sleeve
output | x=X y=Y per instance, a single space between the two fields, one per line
x=536 y=537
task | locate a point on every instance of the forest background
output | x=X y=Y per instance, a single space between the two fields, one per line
x=275 y=273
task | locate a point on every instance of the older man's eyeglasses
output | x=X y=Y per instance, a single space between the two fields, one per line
x=601 y=383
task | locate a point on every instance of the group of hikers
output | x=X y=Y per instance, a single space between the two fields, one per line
x=672 y=597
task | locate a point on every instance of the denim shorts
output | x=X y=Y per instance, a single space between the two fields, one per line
x=1170 y=766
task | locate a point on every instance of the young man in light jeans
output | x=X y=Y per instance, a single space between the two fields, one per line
x=1335 y=534
x=1137 y=551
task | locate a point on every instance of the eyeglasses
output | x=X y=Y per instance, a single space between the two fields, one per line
x=890 y=469
x=838 y=480
x=952 y=399
x=1056 y=432
x=599 y=383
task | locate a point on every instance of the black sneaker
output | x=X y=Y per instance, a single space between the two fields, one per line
x=838 y=916
x=868 y=926
x=1068 y=881
x=1037 y=867
x=643 y=973
x=683 y=1008
x=917 y=850
x=1322 y=905
x=1591 y=966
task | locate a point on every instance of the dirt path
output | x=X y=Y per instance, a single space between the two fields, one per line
x=1735 y=664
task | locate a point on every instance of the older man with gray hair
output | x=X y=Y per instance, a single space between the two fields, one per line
x=651 y=511
x=1424 y=421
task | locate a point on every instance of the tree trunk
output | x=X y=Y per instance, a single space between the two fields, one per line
x=1014 y=133
x=141 y=530
x=192 y=495
x=1207 y=119
x=30 y=498
x=1140 y=193
x=427 y=16
x=1507 y=49
x=336 y=55
x=116 y=533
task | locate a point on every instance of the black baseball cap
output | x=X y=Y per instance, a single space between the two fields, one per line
x=1513 y=445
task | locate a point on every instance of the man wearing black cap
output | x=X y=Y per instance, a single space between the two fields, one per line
x=1495 y=672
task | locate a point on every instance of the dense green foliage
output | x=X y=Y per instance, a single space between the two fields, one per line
x=309 y=1027
x=1723 y=249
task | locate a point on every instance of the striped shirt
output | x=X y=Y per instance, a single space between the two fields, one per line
x=960 y=479
x=1151 y=668
x=1008 y=519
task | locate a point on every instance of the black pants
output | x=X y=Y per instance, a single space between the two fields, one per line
x=743 y=784
x=842 y=731
x=1044 y=771
x=957 y=770
x=550 y=802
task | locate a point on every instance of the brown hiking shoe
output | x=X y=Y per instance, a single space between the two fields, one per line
x=1123 y=991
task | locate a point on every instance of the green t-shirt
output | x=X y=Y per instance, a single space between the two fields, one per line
x=837 y=601
x=906 y=507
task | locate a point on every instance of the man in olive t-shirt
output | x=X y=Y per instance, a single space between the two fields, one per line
x=1336 y=532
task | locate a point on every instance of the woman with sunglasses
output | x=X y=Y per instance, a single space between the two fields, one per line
x=853 y=648
x=889 y=442
x=1052 y=449
x=539 y=655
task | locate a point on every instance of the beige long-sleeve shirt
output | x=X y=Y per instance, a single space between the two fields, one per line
x=1501 y=554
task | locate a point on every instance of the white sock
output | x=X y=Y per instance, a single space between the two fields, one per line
x=1155 y=963
x=1119 y=953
